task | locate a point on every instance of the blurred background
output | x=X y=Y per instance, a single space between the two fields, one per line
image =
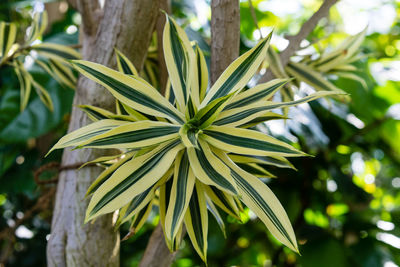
x=344 y=203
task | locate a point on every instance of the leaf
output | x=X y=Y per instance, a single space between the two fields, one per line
x=238 y=73
x=260 y=199
x=209 y=169
x=315 y=79
x=85 y=133
x=179 y=58
x=131 y=179
x=8 y=33
x=130 y=91
x=240 y=116
x=248 y=142
x=181 y=191
x=124 y=64
x=196 y=221
x=131 y=135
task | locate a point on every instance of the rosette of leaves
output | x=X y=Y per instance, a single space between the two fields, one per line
x=316 y=67
x=190 y=151
x=51 y=57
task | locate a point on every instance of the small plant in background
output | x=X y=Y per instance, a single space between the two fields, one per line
x=190 y=151
x=49 y=56
x=314 y=65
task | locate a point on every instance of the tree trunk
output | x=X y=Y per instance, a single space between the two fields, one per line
x=225 y=40
x=73 y=243
x=225 y=35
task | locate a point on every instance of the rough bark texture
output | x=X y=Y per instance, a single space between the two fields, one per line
x=295 y=40
x=73 y=243
x=225 y=35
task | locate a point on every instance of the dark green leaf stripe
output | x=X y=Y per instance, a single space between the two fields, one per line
x=195 y=215
x=90 y=135
x=308 y=76
x=137 y=201
x=59 y=53
x=253 y=98
x=250 y=169
x=133 y=178
x=94 y=113
x=238 y=73
x=211 y=172
x=192 y=136
x=180 y=191
x=257 y=199
x=140 y=215
x=5 y=37
x=125 y=66
x=178 y=53
x=210 y=112
x=127 y=92
x=221 y=196
x=61 y=70
x=191 y=109
x=268 y=160
x=134 y=136
x=248 y=142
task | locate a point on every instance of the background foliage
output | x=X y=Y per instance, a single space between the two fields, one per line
x=344 y=203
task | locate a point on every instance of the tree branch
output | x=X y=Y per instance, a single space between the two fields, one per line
x=295 y=40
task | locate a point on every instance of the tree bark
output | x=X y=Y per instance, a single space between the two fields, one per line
x=73 y=243
x=225 y=35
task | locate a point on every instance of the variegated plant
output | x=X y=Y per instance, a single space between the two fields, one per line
x=49 y=56
x=190 y=151
x=315 y=68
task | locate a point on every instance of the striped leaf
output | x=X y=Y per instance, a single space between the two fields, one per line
x=209 y=169
x=59 y=71
x=134 y=135
x=134 y=207
x=96 y=113
x=85 y=133
x=140 y=218
x=131 y=179
x=8 y=33
x=25 y=83
x=207 y=115
x=222 y=200
x=124 y=64
x=214 y=211
x=240 y=116
x=248 y=142
x=56 y=51
x=263 y=118
x=108 y=172
x=276 y=161
x=306 y=74
x=179 y=58
x=130 y=91
x=260 y=199
x=260 y=92
x=181 y=191
x=196 y=221
x=255 y=170
x=202 y=75
x=238 y=73
x=41 y=92
x=38 y=26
